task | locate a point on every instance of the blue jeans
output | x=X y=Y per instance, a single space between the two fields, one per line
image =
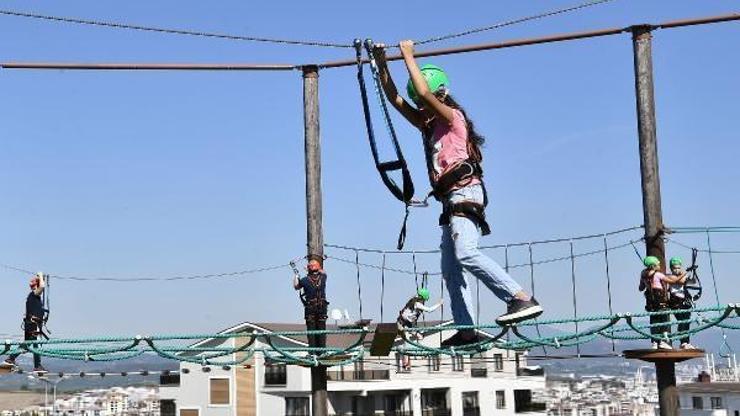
x=461 y=260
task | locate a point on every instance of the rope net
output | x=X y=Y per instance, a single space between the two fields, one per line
x=228 y=349
x=347 y=345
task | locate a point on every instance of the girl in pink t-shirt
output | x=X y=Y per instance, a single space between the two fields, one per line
x=655 y=284
x=452 y=145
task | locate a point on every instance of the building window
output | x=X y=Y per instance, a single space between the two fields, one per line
x=167 y=408
x=276 y=374
x=434 y=401
x=359 y=369
x=433 y=362
x=189 y=412
x=523 y=402
x=478 y=367
x=697 y=403
x=219 y=391
x=716 y=402
x=500 y=399
x=498 y=362
x=394 y=404
x=457 y=363
x=297 y=406
x=401 y=363
x=470 y=403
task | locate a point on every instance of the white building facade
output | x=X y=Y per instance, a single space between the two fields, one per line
x=495 y=382
x=710 y=399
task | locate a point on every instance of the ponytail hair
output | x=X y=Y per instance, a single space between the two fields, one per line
x=473 y=135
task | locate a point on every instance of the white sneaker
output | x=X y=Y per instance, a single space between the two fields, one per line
x=687 y=346
x=662 y=345
x=654 y=345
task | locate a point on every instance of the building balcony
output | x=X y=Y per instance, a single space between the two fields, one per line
x=361 y=375
x=436 y=412
x=169 y=379
x=703 y=412
x=530 y=372
x=531 y=407
x=385 y=413
x=475 y=411
x=478 y=372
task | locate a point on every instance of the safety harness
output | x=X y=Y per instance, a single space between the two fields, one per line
x=410 y=307
x=464 y=172
x=693 y=288
x=655 y=298
x=37 y=325
x=404 y=192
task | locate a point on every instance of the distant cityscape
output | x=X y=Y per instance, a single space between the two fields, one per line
x=564 y=394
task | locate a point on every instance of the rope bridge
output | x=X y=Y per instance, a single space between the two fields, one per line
x=272 y=345
x=350 y=345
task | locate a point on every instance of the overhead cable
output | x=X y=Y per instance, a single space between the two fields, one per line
x=117 y=25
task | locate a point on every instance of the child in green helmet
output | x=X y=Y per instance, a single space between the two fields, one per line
x=409 y=315
x=654 y=283
x=679 y=298
x=452 y=150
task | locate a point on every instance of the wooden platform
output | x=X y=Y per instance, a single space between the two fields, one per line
x=5 y=369
x=385 y=335
x=653 y=356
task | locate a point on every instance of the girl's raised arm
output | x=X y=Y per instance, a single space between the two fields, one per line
x=426 y=97
x=389 y=87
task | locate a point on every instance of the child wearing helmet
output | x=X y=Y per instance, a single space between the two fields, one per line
x=452 y=149
x=679 y=298
x=409 y=315
x=32 y=321
x=654 y=283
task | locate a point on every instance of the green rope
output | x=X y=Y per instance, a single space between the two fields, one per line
x=123 y=348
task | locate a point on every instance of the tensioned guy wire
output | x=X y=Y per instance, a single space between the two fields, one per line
x=514 y=21
x=117 y=25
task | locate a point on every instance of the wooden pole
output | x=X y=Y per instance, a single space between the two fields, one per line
x=651 y=201
x=314 y=231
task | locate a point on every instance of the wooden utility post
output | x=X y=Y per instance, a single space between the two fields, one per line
x=651 y=202
x=314 y=231
x=665 y=361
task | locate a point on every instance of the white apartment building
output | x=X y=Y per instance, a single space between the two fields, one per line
x=710 y=398
x=495 y=382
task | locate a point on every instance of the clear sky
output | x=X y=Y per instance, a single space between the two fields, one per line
x=139 y=174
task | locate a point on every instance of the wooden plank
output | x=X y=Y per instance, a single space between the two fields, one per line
x=246 y=397
x=385 y=335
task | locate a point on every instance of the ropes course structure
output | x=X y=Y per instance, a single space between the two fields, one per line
x=271 y=344
x=230 y=349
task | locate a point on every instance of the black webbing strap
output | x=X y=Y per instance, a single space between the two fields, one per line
x=693 y=284
x=405 y=192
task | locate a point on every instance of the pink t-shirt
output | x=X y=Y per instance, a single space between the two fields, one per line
x=657 y=280
x=449 y=145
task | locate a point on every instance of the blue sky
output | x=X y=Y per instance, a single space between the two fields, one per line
x=158 y=174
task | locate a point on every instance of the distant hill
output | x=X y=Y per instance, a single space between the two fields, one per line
x=145 y=362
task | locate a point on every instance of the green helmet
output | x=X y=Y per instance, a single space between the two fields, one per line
x=676 y=261
x=650 y=261
x=423 y=293
x=435 y=78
